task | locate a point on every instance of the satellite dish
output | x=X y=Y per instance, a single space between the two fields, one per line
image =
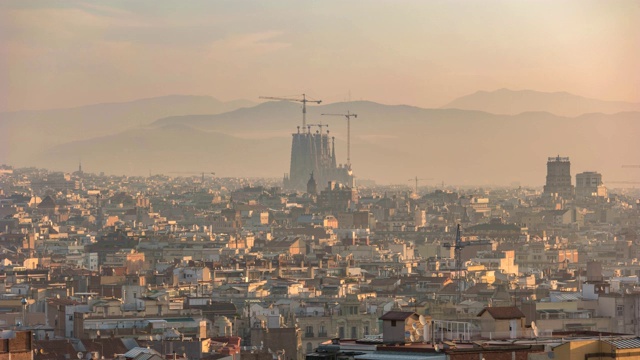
x=80 y=355
x=534 y=328
x=436 y=348
x=422 y=320
x=414 y=326
x=418 y=332
x=412 y=338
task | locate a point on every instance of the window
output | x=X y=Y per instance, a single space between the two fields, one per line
x=341 y=332
x=393 y=323
x=619 y=310
x=354 y=332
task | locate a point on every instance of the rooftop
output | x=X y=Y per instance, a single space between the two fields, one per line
x=503 y=312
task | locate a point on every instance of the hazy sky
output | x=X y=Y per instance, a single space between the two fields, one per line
x=424 y=53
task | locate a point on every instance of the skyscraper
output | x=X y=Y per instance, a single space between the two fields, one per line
x=559 y=177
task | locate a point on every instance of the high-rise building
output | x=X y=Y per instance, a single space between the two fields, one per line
x=315 y=153
x=589 y=184
x=559 y=177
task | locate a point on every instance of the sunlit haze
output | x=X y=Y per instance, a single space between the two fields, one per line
x=58 y=54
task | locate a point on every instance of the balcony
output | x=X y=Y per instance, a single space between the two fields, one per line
x=323 y=334
x=308 y=335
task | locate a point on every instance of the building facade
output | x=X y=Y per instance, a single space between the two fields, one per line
x=589 y=184
x=315 y=153
x=559 y=177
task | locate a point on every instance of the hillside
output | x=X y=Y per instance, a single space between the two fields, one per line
x=389 y=144
x=511 y=102
x=35 y=131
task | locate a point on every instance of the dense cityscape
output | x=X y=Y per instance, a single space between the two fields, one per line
x=206 y=267
x=319 y=180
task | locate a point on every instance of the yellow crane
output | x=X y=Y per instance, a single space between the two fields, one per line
x=304 y=102
x=348 y=116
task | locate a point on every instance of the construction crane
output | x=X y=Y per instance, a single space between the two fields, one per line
x=304 y=102
x=416 y=180
x=348 y=115
x=458 y=246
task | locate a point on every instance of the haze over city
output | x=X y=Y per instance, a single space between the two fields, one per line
x=442 y=54
x=319 y=180
x=422 y=53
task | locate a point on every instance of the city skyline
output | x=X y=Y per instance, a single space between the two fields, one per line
x=304 y=180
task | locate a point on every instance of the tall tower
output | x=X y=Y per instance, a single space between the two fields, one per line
x=312 y=187
x=559 y=177
x=314 y=153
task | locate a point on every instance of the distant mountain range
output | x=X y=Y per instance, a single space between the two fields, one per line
x=512 y=102
x=390 y=143
x=39 y=130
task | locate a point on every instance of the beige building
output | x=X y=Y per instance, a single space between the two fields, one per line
x=503 y=261
x=615 y=348
x=350 y=320
x=504 y=322
x=132 y=260
x=396 y=324
x=589 y=185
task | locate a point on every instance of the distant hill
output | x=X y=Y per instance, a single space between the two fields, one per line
x=171 y=148
x=35 y=131
x=512 y=102
x=391 y=143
